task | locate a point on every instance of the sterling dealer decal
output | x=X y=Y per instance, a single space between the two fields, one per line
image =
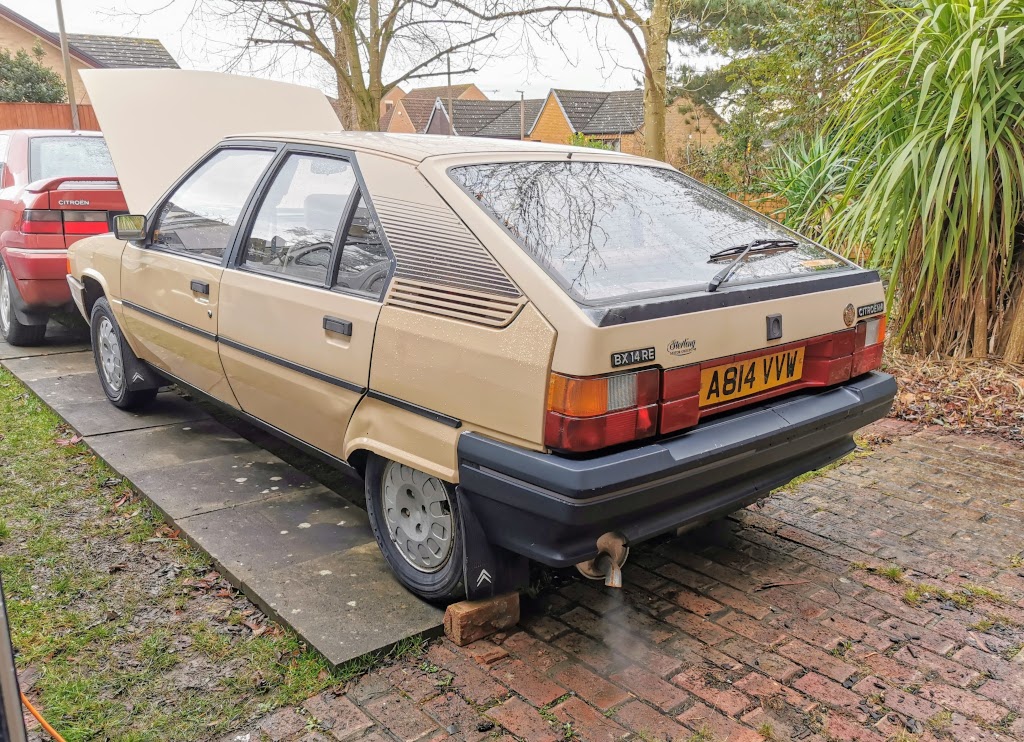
x=630 y=357
x=682 y=347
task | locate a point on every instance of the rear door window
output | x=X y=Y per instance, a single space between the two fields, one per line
x=54 y=157
x=607 y=231
x=297 y=223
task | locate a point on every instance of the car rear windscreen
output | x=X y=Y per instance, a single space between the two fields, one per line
x=608 y=231
x=54 y=157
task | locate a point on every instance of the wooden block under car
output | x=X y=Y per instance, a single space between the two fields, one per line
x=470 y=620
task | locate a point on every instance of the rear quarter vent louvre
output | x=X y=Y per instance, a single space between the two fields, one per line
x=458 y=303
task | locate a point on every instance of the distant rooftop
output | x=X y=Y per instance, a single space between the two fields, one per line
x=100 y=51
x=595 y=112
x=499 y=119
x=123 y=51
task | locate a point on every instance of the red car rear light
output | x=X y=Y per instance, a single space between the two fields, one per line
x=85 y=222
x=588 y=413
x=680 y=392
x=41 y=221
x=868 y=345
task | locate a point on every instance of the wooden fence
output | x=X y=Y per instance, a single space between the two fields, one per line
x=45 y=116
x=767 y=203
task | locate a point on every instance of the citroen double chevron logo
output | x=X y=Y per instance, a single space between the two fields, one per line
x=483 y=577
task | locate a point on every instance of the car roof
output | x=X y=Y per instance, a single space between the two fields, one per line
x=419 y=147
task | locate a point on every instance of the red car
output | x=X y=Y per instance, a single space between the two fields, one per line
x=55 y=188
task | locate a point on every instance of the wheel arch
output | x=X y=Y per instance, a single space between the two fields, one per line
x=393 y=433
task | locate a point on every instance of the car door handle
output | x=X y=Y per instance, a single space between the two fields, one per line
x=201 y=287
x=340 y=326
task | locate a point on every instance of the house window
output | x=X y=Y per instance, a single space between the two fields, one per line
x=388 y=105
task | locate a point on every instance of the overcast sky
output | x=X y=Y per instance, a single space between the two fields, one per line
x=581 y=60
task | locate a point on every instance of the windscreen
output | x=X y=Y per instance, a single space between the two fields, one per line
x=54 y=157
x=609 y=230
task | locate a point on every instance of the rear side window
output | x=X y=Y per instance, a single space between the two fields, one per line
x=54 y=157
x=364 y=263
x=608 y=231
x=200 y=216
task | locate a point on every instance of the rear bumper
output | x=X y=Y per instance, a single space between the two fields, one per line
x=40 y=276
x=552 y=508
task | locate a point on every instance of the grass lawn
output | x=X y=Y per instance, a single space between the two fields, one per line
x=122 y=630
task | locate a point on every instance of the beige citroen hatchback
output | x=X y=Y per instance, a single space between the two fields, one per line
x=528 y=352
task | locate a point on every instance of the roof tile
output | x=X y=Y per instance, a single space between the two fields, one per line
x=123 y=51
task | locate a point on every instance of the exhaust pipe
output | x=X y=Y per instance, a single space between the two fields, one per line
x=607 y=565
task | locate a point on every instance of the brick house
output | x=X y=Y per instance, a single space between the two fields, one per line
x=617 y=119
x=408 y=113
x=497 y=119
x=87 y=51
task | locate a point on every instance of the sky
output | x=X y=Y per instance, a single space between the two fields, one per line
x=583 y=57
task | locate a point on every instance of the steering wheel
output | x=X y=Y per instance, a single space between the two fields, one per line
x=369 y=279
x=295 y=255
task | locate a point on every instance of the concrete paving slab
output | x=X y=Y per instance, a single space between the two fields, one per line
x=344 y=603
x=59 y=339
x=225 y=481
x=279 y=531
x=302 y=552
x=70 y=378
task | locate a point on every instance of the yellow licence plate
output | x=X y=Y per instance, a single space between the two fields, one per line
x=734 y=380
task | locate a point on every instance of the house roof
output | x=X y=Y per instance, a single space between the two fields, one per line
x=100 y=51
x=497 y=119
x=507 y=124
x=596 y=112
x=123 y=51
x=418 y=110
x=438 y=91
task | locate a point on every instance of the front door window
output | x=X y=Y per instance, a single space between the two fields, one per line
x=200 y=216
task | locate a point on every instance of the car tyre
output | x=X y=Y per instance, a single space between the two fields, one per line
x=109 y=350
x=12 y=330
x=415 y=519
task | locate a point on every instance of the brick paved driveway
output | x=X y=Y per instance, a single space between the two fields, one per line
x=882 y=600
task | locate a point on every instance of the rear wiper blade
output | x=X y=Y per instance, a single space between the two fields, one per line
x=743 y=251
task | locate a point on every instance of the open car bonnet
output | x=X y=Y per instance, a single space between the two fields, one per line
x=157 y=123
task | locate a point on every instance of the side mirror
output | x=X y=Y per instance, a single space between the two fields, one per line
x=130 y=227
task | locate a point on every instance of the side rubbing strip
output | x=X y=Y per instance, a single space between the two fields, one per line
x=312 y=372
x=169 y=320
x=451 y=422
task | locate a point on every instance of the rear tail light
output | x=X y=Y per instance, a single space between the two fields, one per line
x=85 y=222
x=680 y=388
x=870 y=339
x=52 y=221
x=41 y=221
x=588 y=413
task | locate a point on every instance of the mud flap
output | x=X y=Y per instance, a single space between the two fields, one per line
x=140 y=374
x=488 y=570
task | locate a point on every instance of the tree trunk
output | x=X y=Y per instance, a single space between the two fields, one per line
x=979 y=343
x=345 y=108
x=656 y=36
x=367 y=111
x=1015 y=346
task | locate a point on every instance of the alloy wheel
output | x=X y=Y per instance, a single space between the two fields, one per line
x=418 y=516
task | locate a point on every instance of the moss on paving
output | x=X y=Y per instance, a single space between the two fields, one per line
x=120 y=627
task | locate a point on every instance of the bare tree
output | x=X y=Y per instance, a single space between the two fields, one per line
x=371 y=46
x=649 y=25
